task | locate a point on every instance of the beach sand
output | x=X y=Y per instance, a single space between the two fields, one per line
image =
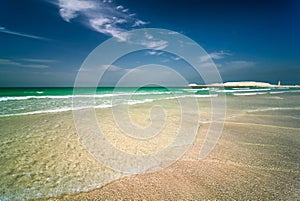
x=256 y=158
x=252 y=161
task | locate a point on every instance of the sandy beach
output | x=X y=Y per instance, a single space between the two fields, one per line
x=257 y=156
x=252 y=161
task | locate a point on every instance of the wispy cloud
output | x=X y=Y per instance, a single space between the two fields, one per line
x=241 y=63
x=177 y=58
x=150 y=42
x=27 y=64
x=154 y=44
x=103 y=16
x=39 y=60
x=167 y=58
x=215 y=56
x=138 y=23
x=205 y=60
x=154 y=53
x=7 y=31
x=106 y=68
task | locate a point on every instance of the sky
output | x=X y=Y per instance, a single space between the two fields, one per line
x=45 y=42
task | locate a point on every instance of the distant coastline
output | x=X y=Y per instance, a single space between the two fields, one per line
x=237 y=84
x=244 y=84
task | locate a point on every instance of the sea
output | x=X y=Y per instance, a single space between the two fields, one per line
x=42 y=157
x=26 y=101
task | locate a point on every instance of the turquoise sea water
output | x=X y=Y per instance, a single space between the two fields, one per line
x=25 y=101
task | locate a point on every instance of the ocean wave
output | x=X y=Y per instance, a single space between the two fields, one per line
x=249 y=94
x=9 y=98
x=39 y=112
x=240 y=88
x=107 y=105
x=206 y=96
x=114 y=94
x=134 y=102
x=286 y=91
x=196 y=90
x=12 y=98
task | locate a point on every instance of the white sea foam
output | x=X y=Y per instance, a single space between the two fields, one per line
x=249 y=94
x=205 y=96
x=45 y=111
x=108 y=104
x=286 y=91
x=134 y=102
x=103 y=100
x=273 y=109
x=196 y=90
x=236 y=91
x=10 y=98
x=240 y=88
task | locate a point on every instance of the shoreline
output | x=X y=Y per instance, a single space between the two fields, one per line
x=186 y=92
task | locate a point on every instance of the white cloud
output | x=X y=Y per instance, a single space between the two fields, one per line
x=102 y=16
x=148 y=36
x=159 y=53
x=177 y=58
x=98 y=22
x=207 y=65
x=7 y=31
x=113 y=68
x=104 y=26
x=106 y=68
x=69 y=9
x=138 y=23
x=153 y=52
x=39 y=60
x=155 y=44
x=172 y=33
x=214 y=55
x=120 y=7
x=120 y=21
x=8 y=62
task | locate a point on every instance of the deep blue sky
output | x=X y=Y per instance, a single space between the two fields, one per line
x=44 y=42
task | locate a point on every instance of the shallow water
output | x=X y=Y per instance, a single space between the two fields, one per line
x=25 y=101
